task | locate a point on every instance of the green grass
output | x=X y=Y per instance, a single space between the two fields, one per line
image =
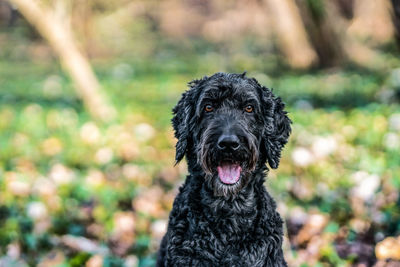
x=42 y=126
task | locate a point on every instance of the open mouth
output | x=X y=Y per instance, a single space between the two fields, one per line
x=229 y=172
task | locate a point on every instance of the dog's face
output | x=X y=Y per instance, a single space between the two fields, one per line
x=230 y=124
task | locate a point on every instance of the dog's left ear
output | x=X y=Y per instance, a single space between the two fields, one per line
x=277 y=128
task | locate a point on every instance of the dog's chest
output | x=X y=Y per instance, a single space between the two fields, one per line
x=227 y=247
x=226 y=237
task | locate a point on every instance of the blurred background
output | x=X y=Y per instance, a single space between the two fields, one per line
x=87 y=174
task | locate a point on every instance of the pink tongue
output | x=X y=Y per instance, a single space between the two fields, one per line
x=229 y=173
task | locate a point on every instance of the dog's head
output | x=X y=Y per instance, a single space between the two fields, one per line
x=230 y=125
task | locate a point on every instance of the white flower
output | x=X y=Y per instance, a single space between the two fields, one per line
x=159 y=228
x=95 y=178
x=317 y=221
x=394 y=122
x=124 y=222
x=44 y=186
x=130 y=171
x=90 y=133
x=144 y=132
x=13 y=251
x=302 y=157
x=324 y=146
x=19 y=188
x=131 y=261
x=104 y=155
x=61 y=174
x=391 y=141
x=298 y=216
x=37 y=211
x=366 y=185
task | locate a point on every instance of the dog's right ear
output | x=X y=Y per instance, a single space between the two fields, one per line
x=183 y=112
x=179 y=122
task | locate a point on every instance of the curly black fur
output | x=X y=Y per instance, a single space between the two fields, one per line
x=214 y=223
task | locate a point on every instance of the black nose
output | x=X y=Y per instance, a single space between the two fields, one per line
x=228 y=142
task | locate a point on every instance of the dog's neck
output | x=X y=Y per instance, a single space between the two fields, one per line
x=223 y=212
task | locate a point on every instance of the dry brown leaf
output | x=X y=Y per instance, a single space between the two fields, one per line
x=95 y=261
x=389 y=248
x=314 y=225
x=149 y=202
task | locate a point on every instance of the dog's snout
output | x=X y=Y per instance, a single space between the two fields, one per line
x=228 y=142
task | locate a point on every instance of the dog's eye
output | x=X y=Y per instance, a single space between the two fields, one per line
x=208 y=108
x=249 y=109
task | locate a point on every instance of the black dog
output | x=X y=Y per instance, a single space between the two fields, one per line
x=228 y=126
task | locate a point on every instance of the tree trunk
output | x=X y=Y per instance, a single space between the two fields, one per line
x=324 y=26
x=291 y=34
x=61 y=40
x=396 y=19
x=372 y=22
